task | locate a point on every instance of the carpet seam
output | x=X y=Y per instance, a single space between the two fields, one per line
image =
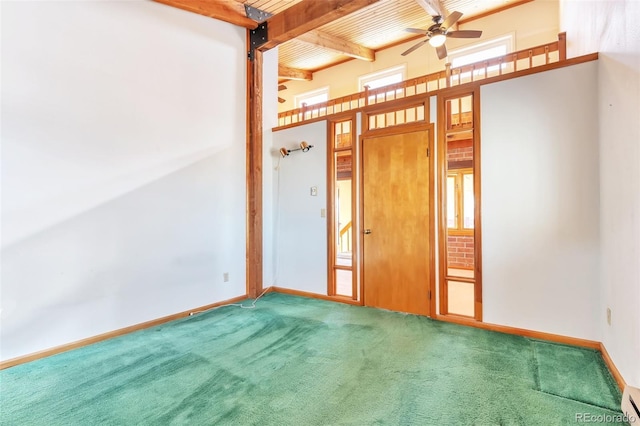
x=581 y=402
x=536 y=366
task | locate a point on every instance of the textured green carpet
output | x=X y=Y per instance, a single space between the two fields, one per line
x=298 y=361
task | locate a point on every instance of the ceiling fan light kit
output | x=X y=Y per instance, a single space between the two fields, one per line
x=437 y=40
x=437 y=34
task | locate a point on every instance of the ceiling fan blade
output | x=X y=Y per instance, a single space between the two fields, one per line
x=415 y=30
x=451 y=19
x=414 y=47
x=441 y=51
x=464 y=34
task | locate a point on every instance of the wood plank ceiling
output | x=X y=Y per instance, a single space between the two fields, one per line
x=357 y=35
x=372 y=28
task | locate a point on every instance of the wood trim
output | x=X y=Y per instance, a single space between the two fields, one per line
x=344 y=47
x=432 y=210
x=493 y=11
x=442 y=224
x=293 y=292
x=477 y=196
x=465 y=87
x=254 y=227
x=355 y=199
x=421 y=99
x=307 y=15
x=342 y=267
x=612 y=367
x=363 y=118
x=111 y=334
x=394 y=130
x=459 y=279
x=455 y=319
x=331 y=219
x=222 y=10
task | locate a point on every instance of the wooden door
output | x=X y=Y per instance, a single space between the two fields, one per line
x=396 y=222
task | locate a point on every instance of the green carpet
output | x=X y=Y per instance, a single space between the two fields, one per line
x=298 y=361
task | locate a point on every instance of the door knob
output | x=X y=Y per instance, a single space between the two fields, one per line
x=367 y=231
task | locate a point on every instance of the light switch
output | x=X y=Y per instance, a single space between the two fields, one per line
x=323 y=212
x=314 y=191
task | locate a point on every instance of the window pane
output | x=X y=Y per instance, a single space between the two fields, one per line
x=312 y=98
x=451 y=202
x=468 y=203
x=460 y=298
x=344 y=286
x=344 y=238
x=384 y=81
x=342 y=132
x=478 y=56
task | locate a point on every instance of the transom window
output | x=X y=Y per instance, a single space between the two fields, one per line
x=313 y=97
x=383 y=78
x=481 y=51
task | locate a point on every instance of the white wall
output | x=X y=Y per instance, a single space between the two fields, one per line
x=540 y=201
x=123 y=167
x=534 y=23
x=300 y=231
x=611 y=28
x=269 y=121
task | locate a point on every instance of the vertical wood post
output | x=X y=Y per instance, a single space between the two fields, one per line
x=562 y=46
x=447 y=70
x=254 y=174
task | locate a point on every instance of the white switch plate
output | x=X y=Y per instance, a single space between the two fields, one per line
x=323 y=212
x=314 y=191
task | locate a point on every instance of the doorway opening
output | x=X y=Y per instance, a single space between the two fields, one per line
x=342 y=275
x=397 y=218
x=459 y=166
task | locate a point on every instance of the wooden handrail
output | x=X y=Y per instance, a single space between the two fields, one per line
x=345 y=229
x=448 y=77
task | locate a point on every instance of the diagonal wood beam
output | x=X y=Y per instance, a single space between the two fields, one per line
x=294 y=74
x=434 y=7
x=306 y=16
x=224 y=10
x=339 y=45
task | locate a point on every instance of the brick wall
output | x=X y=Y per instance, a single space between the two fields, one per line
x=460 y=154
x=460 y=248
x=460 y=254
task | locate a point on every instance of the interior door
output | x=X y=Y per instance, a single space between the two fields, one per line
x=396 y=222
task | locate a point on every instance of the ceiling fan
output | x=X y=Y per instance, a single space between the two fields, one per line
x=437 y=34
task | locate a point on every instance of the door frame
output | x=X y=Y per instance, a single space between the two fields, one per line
x=390 y=131
x=442 y=97
x=330 y=212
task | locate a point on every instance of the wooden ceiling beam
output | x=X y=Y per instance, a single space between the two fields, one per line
x=294 y=74
x=306 y=16
x=224 y=10
x=434 y=7
x=344 y=47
